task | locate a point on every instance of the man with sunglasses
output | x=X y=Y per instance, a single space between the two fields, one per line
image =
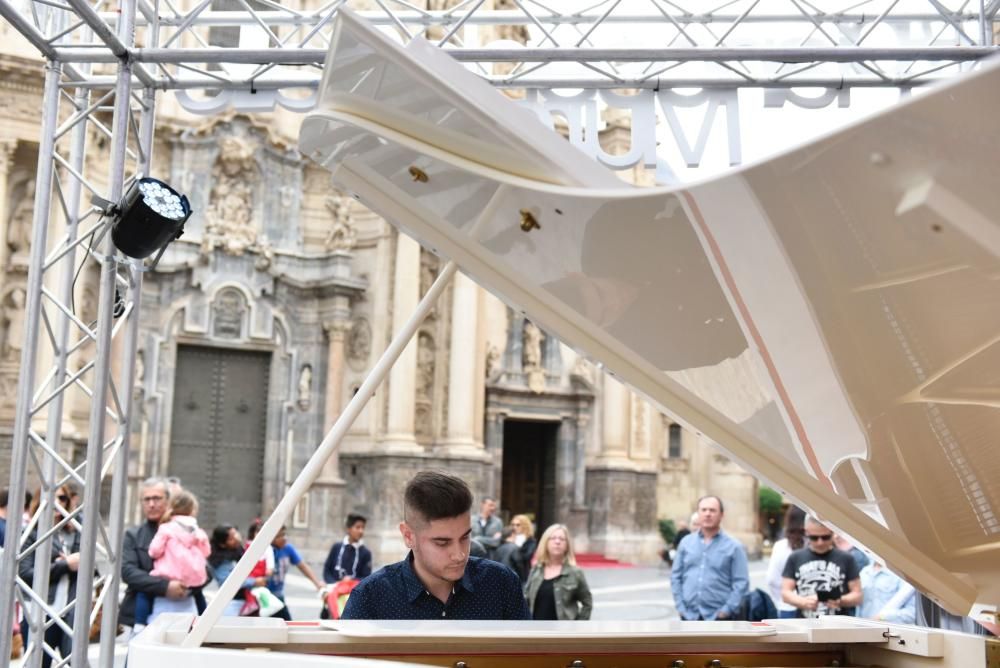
x=819 y=579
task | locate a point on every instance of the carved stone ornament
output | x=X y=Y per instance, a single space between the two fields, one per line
x=425 y=366
x=583 y=371
x=229 y=220
x=532 y=351
x=13 y=325
x=492 y=362
x=229 y=309
x=359 y=344
x=21 y=207
x=342 y=236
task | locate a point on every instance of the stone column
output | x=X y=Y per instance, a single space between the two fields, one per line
x=615 y=422
x=462 y=366
x=494 y=449
x=336 y=332
x=399 y=436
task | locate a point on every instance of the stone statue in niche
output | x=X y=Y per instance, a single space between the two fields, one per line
x=13 y=325
x=19 y=222
x=359 y=344
x=229 y=219
x=342 y=236
x=532 y=353
x=305 y=387
x=492 y=361
x=531 y=358
x=229 y=308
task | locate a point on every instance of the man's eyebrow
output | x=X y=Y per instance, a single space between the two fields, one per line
x=464 y=535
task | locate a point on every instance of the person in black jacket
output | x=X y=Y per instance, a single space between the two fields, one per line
x=154 y=495
x=65 y=560
x=349 y=558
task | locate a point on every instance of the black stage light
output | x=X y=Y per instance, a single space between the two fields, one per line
x=150 y=215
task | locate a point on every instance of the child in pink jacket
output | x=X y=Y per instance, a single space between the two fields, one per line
x=179 y=550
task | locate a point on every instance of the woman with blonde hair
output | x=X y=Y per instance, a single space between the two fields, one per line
x=556 y=587
x=524 y=538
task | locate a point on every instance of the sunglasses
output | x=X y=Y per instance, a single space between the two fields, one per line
x=815 y=537
x=63 y=499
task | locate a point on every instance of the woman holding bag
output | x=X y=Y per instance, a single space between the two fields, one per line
x=557 y=588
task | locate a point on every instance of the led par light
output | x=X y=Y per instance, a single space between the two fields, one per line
x=150 y=215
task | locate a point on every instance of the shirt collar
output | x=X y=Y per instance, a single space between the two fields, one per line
x=414 y=587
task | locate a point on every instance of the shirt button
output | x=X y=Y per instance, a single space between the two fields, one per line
x=444 y=613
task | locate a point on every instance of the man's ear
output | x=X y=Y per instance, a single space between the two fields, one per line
x=407 y=534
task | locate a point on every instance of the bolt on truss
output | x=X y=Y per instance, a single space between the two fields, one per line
x=102 y=56
x=65 y=354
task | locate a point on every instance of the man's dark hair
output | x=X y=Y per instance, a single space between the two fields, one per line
x=4 y=495
x=354 y=518
x=434 y=495
x=712 y=496
x=507 y=532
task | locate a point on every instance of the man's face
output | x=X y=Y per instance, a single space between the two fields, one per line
x=356 y=531
x=709 y=514
x=280 y=540
x=440 y=547
x=154 y=502
x=819 y=538
x=488 y=508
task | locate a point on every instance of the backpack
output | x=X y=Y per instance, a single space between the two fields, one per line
x=756 y=606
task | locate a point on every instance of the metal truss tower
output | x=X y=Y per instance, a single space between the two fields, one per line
x=101 y=57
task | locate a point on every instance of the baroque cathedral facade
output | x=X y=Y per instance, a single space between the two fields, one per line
x=263 y=319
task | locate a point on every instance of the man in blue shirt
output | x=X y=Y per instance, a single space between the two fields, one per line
x=710 y=573
x=438 y=579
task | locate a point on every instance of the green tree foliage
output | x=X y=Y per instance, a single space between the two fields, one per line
x=770 y=500
x=667 y=531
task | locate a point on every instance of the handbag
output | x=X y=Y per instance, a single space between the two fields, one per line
x=268 y=604
x=250 y=606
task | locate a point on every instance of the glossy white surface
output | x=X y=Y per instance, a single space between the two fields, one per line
x=829 y=316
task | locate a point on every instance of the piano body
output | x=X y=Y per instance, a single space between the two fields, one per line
x=830 y=317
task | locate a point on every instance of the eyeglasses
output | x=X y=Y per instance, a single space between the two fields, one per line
x=153 y=499
x=815 y=537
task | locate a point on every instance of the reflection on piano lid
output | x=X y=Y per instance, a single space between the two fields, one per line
x=829 y=316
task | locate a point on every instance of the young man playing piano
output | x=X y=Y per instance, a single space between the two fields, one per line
x=438 y=579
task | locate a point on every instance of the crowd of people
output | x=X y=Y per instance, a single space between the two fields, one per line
x=460 y=565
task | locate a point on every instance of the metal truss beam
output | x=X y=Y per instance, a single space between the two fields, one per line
x=57 y=339
x=559 y=55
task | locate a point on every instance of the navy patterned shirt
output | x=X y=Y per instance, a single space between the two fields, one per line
x=487 y=590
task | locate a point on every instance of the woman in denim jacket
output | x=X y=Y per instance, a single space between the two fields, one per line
x=556 y=587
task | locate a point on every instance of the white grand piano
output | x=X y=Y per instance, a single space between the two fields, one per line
x=830 y=317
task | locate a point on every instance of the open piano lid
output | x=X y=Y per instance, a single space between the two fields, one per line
x=830 y=316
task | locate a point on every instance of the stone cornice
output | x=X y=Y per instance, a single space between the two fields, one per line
x=24 y=75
